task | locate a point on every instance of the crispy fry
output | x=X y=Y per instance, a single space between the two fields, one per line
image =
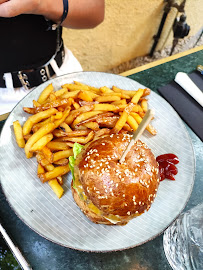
x=71 y=94
x=45 y=93
x=57 y=171
x=53 y=104
x=91 y=125
x=119 y=102
x=61 y=162
x=74 y=133
x=41 y=143
x=40 y=169
x=29 y=110
x=36 y=118
x=48 y=154
x=56 y=187
x=60 y=92
x=84 y=116
x=107 y=98
x=75 y=87
x=105 y=107
x=84 y=96
x=149 y=128
x=65 y=127
x=101 y=132
x=132 y=122
x=41 y=159
x=18 y=131
x=95 y=118
x=60 y=179
x=76 y=105
x=36 y=136
x=58 y=145
x=90 y=88
x=36 y=103
x=62 y=154
x=105 y=89
x=82 y=140
x=137 y=96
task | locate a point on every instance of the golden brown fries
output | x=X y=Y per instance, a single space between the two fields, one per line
x=19 y=134
x=75 y=113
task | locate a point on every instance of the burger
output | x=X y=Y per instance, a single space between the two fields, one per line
x=109 y=192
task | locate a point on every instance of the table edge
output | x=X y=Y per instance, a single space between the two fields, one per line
x=161 y=61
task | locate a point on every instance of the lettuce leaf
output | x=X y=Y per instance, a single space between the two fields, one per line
x=77 y=148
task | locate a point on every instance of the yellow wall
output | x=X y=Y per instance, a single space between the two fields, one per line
x=126 y=32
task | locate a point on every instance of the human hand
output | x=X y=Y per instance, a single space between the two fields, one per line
x=81 y=14
x=11 y=8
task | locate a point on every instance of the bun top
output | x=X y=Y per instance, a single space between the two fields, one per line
x=119 y=189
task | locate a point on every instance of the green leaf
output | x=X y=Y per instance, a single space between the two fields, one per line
x=77 y=148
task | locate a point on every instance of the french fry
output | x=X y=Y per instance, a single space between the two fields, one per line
x=58 y=145
x=45 y=93
x=84 y=116
x=57 y=171
x=144 y=105
x=75 y=87
x=41 y=159
x=90 y=88
x=101 y=132
x=41 y=143
x=91 y=125
x=53 y=104
x=36 y=103
x=74 y=133
x=137 y=96
x=132 y=122
x=107 y=98
x=62 y=154
x=40 y=169
x=61 y=162
x=56 y=187
x=60 y=92
x=105 y=89
x=149 y=128
x=18 y=131
x=105 y=107
x=60 y=180
x=54 y=184
x=65 y=127
x=71 y=94
x=48 y=154
x=29 y=110
x=84 y=96
x=119 y=102
x=36 y=136
x=36 y=118
x=76 y=105
x=82 y=140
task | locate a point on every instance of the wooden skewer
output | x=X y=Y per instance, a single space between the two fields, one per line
x=145 y=121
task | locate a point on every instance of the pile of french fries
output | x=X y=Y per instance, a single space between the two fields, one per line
x=75 y=113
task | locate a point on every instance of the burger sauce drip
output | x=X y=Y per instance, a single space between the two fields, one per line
x=167 y=168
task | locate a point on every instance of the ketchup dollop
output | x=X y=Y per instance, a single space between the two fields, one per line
x=167 y=168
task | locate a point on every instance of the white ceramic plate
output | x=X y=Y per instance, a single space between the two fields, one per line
x=60 y=220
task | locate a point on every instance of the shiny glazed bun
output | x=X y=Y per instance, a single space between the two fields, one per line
x=109 y=192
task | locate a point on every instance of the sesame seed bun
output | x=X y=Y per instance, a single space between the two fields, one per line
x=112 y=193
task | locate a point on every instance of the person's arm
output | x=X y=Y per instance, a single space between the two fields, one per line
x=81 y=14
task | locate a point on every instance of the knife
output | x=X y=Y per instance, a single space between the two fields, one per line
x=189 y=86
x=15 y=250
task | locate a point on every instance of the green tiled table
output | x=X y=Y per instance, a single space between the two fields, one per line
x=45 y=255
